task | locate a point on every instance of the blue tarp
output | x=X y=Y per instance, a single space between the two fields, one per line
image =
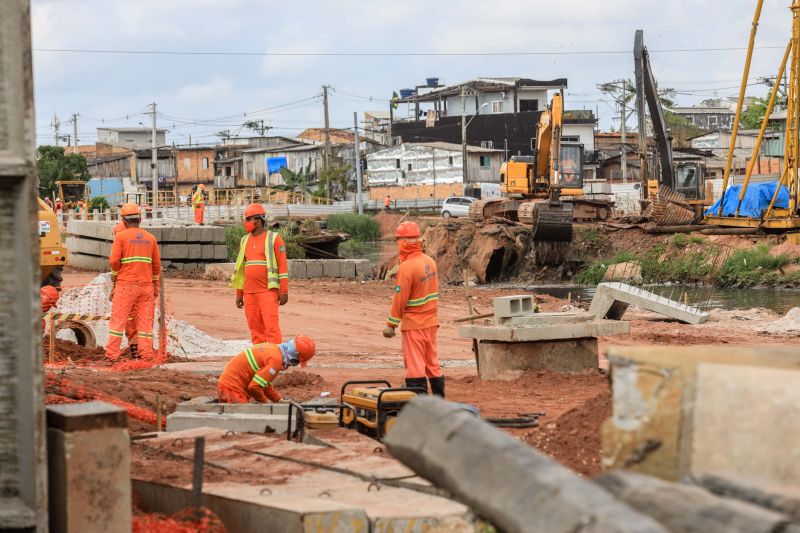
x=274 y=164
x=755 y=202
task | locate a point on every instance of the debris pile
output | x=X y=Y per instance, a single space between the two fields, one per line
x=191 y=520
x=788 y=325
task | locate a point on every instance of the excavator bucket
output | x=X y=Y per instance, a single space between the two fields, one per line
x=551 y=219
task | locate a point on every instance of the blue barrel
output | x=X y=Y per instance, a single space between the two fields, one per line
x=405 y=93
x=432 y=82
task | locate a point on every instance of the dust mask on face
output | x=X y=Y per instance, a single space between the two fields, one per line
x=249 y=226
x=289 y=352
x=406 y=248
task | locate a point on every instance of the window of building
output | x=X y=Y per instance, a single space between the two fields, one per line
x=497 y=106
x=397 y=163
x=712 y=121
x=409 y=167
x=529 y=105
x=450 y=160
x=187 y=163
x=486 y=161
x=205 y=163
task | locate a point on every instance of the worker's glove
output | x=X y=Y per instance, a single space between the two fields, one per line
x=240 y=301
x=388 y=332
x=283 y=298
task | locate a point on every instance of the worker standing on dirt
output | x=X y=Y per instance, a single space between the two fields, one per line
x=261 y=276
x=199 y=204
x=130 y=325
x=250 y=374
x=416 y=306
x=387 y=203
x=135 y=269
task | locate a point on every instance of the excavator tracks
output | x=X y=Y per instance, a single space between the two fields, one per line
x=482 y=210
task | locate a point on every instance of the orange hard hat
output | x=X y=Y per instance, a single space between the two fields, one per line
x=305 y=349
x=407 y=230
x=254 y=210
x=201 y=187
x=49 y=293
x=130 y=210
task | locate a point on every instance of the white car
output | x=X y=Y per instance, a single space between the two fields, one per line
x=456 y=206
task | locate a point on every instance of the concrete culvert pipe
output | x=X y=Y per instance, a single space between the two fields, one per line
x=84 y=335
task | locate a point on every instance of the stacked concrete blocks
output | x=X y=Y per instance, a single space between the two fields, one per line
x=205 y=412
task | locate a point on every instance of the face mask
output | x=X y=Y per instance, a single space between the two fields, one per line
x=407 y=248
x=249 y=226
x=290 y=355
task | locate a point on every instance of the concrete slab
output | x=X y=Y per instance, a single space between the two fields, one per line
x=508 y=306
x=207 y=404
x=509 y=360
x=241 y=423
x=611 y=300
x=174 y=251
x=347 y=269
x=543 y=319
x=220 y=252
x=194 y=251
x=175 y=234
x=88 y=262
x=297 y=269
x=331 y=268
x=207 y=252
x=580 y=330
x=314 y=268
x=363 y=268
x=218 y=235
x=194 y=234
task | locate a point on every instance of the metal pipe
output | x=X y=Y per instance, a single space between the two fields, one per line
x=764 y=123
x=739 y=104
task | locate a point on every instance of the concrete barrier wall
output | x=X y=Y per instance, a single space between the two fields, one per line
x=310 y=269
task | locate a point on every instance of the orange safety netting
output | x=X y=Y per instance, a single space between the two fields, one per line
x=191 y=520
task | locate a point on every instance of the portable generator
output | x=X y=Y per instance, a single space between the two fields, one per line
x=371 y=409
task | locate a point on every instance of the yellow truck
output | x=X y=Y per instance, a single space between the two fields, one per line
x=52 y=252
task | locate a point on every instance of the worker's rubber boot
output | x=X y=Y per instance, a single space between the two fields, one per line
x=437 y=386
x=417 y=383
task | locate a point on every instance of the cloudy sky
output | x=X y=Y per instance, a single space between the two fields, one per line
x=280 y=78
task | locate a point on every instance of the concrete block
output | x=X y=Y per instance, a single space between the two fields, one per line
x=611 y=300
x=220 y=252
x=218 y=235
x=88 y=262
x=314 y=268
x=508 y=306
x=207 y=234
x=363 y=268
x=331 y=268
x=194 y=234
x=347 y=269
x=174 y=251
x=681 y=411
x=88 y=468
x=297 y=269
x=207 y=251
x=194 y=251
x=175 y=234
x=509 y=360
x=546 y=332
x=157 y=232
x=240 y=423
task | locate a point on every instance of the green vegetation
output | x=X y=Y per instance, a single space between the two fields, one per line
x=233 y=236
x=361 y=227
x=353 y=249
x=53 y=164
x=98 y=202
x=674 y=261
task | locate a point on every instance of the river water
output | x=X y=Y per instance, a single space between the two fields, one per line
x=774 y=299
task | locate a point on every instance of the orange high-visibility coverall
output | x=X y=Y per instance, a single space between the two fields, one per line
x=416 y=305
x=250 y=375
x=199 y=204
x=130 y=325
x=136 y=265
x=265 y=278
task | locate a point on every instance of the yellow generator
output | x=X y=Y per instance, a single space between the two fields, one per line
x=52 y=253
x=372 y=409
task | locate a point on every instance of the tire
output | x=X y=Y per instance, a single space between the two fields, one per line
x=446 y=214
x=55 y=278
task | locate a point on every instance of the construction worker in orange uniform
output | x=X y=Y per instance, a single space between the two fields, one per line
x=261 y=276
x=250 y=374
x=387 y=203
x=415 y=308
x=130 y=325
x=49 y=297
x=199 y=204
x=135 y=270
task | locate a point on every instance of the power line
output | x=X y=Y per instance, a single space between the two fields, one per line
x=390 y=54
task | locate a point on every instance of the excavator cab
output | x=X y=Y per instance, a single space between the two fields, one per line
x=689 y=181
x=571 y=171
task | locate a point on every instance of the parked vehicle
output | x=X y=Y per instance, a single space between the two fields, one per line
x=456 y=206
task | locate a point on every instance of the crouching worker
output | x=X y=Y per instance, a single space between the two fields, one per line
x=251 y=373
x=49 y=296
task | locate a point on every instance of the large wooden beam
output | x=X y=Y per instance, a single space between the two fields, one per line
x=504 y=481
x=764 y=492
x=689 y=508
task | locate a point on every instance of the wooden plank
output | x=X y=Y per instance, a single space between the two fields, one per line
x=689 y=508
x=503 y=480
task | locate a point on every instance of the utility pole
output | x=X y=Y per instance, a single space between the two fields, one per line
x=154 y=165
x=622 y=151
x=327 y=160
x=358 y=165
x=75 y=133
x=56 y=124
x=463 y=135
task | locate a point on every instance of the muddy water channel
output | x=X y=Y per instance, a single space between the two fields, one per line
x=774 y=299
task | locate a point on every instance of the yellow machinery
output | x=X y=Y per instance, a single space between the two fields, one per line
x=71 y=192
x=52 y=253
x=372 y=409
x=546 y=190
x=773 y=218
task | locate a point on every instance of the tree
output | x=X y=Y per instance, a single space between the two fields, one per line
x=754 y=114
x=53 y=165
x=297 y=180
x=336 y=175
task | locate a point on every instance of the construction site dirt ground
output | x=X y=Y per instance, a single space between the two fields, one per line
x=346 y=319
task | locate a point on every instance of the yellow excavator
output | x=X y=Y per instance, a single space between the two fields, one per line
x=546 y=190
x=52 y=253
